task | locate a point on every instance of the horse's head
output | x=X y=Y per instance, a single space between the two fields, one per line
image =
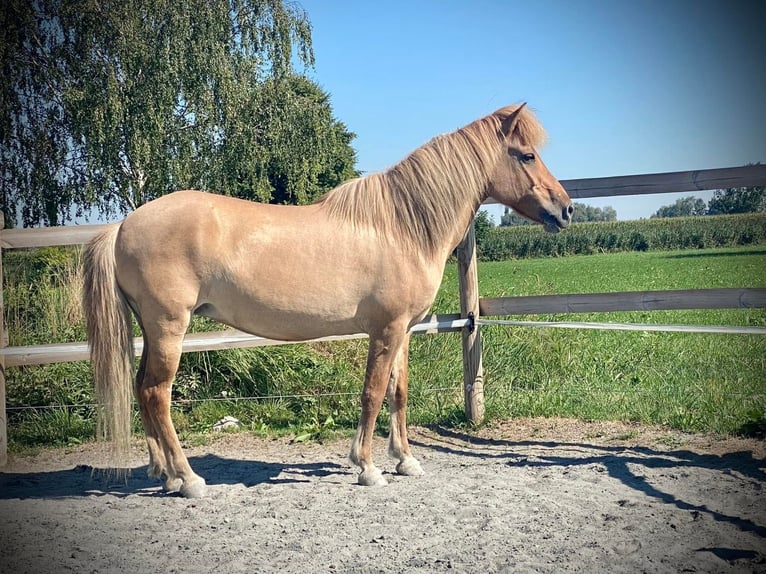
x=520 y=178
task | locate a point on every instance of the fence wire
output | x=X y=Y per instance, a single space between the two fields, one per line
x=579 y=390
x=181 y=402
x=725 y=330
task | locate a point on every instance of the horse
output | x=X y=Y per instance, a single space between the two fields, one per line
x=367 y=257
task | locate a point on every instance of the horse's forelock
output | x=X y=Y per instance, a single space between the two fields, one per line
x=528 y=129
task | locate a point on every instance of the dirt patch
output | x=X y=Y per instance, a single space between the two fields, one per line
x=534 y=495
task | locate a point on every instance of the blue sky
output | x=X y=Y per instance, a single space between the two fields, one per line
x=622 y=86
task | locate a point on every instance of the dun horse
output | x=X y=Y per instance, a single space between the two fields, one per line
x=370 y=259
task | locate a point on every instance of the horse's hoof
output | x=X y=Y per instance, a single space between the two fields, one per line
x=410 y=467
x=372 y=477
x=172 y=485
x=194 y=489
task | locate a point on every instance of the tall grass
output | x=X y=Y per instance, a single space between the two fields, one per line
x=42 y=293
x=688 y=381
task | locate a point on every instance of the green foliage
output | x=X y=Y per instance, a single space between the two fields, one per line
x=43 y=264
x=685 y=207
x=107 y=105
x=482 y=225
x=511 y=218
x=42 y=296
x=584 y=213
x=308 y=151
x=738 y=200
x=643 y=235
x=724 y=202
x=51 y=427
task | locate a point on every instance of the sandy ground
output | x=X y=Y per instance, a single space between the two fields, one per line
x=524 y=496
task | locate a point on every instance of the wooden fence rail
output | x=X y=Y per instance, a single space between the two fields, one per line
x=731 y=298
x=25 y=356
x=670 y=182
x=471 y=306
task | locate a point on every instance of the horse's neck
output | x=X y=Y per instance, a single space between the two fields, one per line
x=464 y=216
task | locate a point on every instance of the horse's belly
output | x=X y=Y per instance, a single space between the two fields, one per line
x=300 y=296
x=277 y=322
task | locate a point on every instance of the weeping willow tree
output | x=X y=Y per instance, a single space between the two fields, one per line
x=108 y=104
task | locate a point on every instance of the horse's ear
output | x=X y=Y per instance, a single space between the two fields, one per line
x=509 y=123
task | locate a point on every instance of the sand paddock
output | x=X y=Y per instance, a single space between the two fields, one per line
x=524 y=496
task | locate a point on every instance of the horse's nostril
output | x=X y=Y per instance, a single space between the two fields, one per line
x=570 y=209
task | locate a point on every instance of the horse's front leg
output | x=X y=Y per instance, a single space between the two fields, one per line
x=380 y=360
x=398 y=445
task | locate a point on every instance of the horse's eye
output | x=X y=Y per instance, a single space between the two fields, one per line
x=527 y=158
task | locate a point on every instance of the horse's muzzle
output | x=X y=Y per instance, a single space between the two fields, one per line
x=553 y=222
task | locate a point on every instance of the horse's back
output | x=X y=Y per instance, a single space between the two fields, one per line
x=203 y=230
x=184 y=217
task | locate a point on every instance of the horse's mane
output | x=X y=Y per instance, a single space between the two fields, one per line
x=414 y=202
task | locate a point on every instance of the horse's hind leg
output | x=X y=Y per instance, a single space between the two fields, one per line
x=157 y=463
x=163 y=354
x=398 y=445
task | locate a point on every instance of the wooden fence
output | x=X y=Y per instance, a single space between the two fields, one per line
x=472 y=308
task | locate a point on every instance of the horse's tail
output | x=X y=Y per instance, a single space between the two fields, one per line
x=110 y=336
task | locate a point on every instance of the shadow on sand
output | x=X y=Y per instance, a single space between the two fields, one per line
x=89 y=481
x=618 y=462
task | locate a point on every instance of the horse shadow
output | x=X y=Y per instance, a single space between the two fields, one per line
x=84 y=480
x=618 y=462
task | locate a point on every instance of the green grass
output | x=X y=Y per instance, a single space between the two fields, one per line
x=629 y=271
x=693 y=382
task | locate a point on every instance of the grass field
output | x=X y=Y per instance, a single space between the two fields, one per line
x=694 y=382
x=688 y=381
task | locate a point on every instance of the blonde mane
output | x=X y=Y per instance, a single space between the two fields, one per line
x=414 y=202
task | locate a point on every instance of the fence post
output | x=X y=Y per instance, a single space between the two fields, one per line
x=473 y=372
x=3 y=343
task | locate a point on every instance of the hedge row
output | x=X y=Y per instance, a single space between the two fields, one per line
x=502 y=243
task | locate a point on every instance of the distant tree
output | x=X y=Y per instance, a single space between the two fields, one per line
x=110 y=104
x=584 y=212
x=683 y=207
x=510 y=218
x=737 y=200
